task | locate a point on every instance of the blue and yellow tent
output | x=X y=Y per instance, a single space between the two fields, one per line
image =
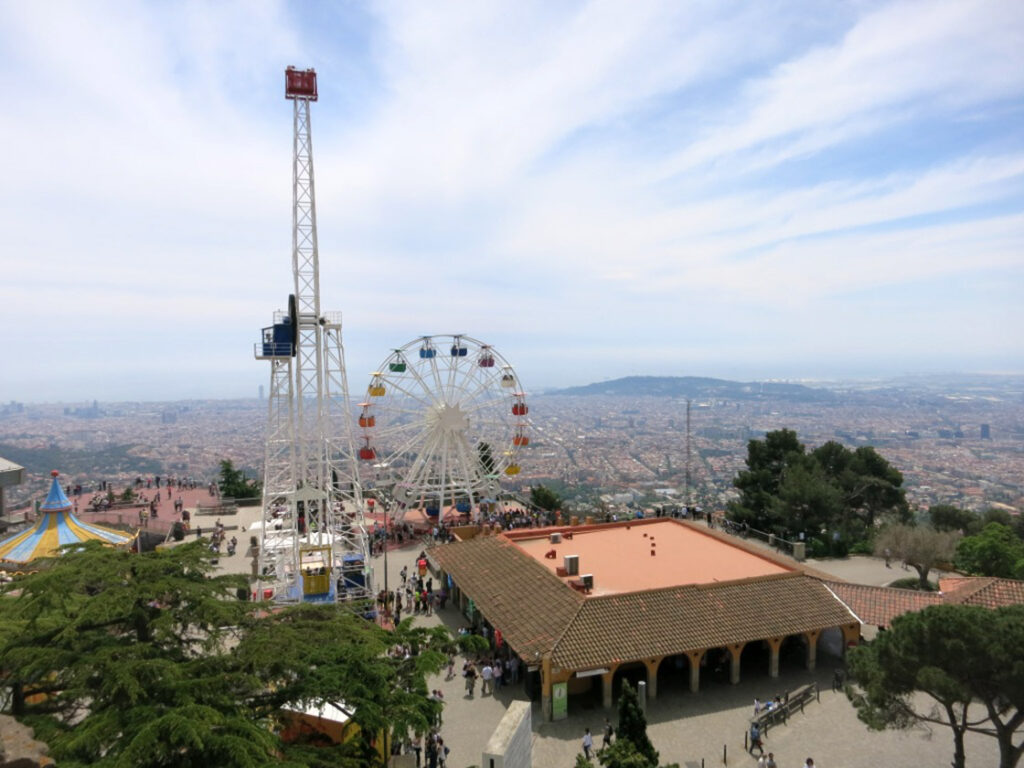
x=56 y=527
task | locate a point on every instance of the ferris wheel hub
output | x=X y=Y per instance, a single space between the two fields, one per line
x=447 y=417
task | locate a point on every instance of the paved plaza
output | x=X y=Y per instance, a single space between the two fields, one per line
x=686 y=728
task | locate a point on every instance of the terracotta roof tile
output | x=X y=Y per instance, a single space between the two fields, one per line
x=988 y=592
x=878 y=606
x=519 y=596
x=660 y=622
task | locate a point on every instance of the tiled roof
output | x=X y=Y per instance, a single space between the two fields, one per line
x=519 y=596
x=625 y=627
x=878 y=606
x=987 y=592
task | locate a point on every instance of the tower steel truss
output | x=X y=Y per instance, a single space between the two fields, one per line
x=313 y=544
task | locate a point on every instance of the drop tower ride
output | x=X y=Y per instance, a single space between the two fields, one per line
x=313 y=545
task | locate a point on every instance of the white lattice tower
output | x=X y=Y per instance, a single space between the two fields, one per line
x=313 y=506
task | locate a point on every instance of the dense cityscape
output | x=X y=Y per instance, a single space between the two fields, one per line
x=958 y=442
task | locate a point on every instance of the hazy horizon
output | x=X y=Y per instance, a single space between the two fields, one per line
x=989 y=376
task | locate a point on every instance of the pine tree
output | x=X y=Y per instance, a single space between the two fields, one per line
x=633 y=724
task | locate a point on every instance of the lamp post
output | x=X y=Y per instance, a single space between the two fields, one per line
x=387 y=593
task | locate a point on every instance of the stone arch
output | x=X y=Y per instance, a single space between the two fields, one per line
x=674 y=673
x=755 y=660
x=715 y=667
x=634 y=671
x=793 y=654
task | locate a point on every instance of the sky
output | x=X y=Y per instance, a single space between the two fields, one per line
x=795 y=190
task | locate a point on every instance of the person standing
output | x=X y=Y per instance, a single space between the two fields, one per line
x=606 y=740
x=588 y=743
x=486 y=675
x=770 y=762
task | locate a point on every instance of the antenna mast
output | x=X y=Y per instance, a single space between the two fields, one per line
x=689 y=495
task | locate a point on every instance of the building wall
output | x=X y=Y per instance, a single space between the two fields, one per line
x=511 y=744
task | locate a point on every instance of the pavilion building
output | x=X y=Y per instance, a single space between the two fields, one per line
x=578 y=603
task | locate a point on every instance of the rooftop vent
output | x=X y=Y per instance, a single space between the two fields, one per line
x=572 y=564
x=555 y=538
x=588 y=580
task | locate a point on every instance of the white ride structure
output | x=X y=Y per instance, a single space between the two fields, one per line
x=313 y=544
x=444 y=419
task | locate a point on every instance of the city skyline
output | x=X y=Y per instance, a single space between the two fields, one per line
x=729 y=191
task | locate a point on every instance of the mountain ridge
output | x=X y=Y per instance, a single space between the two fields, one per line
x=697 y=387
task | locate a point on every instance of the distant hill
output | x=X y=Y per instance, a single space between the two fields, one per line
x=699 y=388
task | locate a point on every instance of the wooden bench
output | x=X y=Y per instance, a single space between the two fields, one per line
x=793 y=700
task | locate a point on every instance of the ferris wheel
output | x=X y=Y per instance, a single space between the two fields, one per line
x=443 y=421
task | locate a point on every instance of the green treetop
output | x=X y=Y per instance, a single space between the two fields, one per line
x=966 y=659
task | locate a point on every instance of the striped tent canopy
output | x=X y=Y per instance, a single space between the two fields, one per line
x=57 y=526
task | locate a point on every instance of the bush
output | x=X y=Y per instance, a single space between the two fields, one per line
x=913 y=583
x=862 y=548
x=839 y=548
x=817 y=549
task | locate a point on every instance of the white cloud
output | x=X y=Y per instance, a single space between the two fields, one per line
x=546 y=177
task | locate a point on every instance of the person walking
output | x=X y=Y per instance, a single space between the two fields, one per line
x=588 y=743
x=606 y=740
x=470 y=680
x=755 y=738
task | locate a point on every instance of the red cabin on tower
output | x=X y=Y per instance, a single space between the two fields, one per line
x=300 y=84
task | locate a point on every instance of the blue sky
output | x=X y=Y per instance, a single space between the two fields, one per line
x=799 y=190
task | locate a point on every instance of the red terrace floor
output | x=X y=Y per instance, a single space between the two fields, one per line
x=618 y=555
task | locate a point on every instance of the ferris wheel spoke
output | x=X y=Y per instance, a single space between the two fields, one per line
x=470 y=466
x=408 y=393
x=453 y=367
x=417 y=377
x=422 y=462
x=495 y=404
x=393 y=411
x=483 y=386
x=395 y=433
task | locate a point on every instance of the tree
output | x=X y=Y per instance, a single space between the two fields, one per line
x=633 y=724
x=996 y=551
x=831 y=490
x=960 y=656
x=920 y=546
x=946 y=517
x=805 y=499
x=234 y=484
x=759 y=483
x=156 y=662
x=126 y=647
x=545 y=498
